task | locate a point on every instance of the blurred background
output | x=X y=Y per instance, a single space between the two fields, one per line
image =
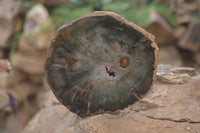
x=26 y=27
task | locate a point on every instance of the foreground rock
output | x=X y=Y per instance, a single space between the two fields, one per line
x=170 y=107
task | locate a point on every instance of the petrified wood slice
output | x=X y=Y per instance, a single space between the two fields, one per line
x=100 y=63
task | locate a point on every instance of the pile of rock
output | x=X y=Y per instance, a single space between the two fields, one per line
x=190 y=40
x=28 y=61
x=182 y=43
x=26 y=80
x=9 y=10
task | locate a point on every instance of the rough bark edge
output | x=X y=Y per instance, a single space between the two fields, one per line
x=123 y=20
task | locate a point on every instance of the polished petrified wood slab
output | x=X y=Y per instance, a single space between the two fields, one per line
x=100 y=63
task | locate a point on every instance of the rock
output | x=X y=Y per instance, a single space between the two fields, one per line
x=16 y=123
x=178 y=103
x=49 y=99
x=168 y=108
x=172 y=78
x=9 y=8
x=21 y=84
x=163 y=68
x=184 y=20
x=35 y=39
x=6 y=31
x=2 y=54
x=3 y=97
x=8 y=11
x=197 y=57
x=131 y=122
x=62 y=114
x=198 y=2
x=33 y=42
x=53 y=3
x=179 y=32
x=4 y=76
x=170 y=55
x=26 y=79
x=190 y=7
x=159 y=27
x=181 y=70
x=182 y=7
x=36 y=17
x=5 y=65
x=29 y=59
x=24 y=90
x=28 y=64
x=191 y=40
x=21 y=77
x=179 y=75
x=31 y=47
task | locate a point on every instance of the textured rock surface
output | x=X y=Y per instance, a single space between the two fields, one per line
x=168 y=108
